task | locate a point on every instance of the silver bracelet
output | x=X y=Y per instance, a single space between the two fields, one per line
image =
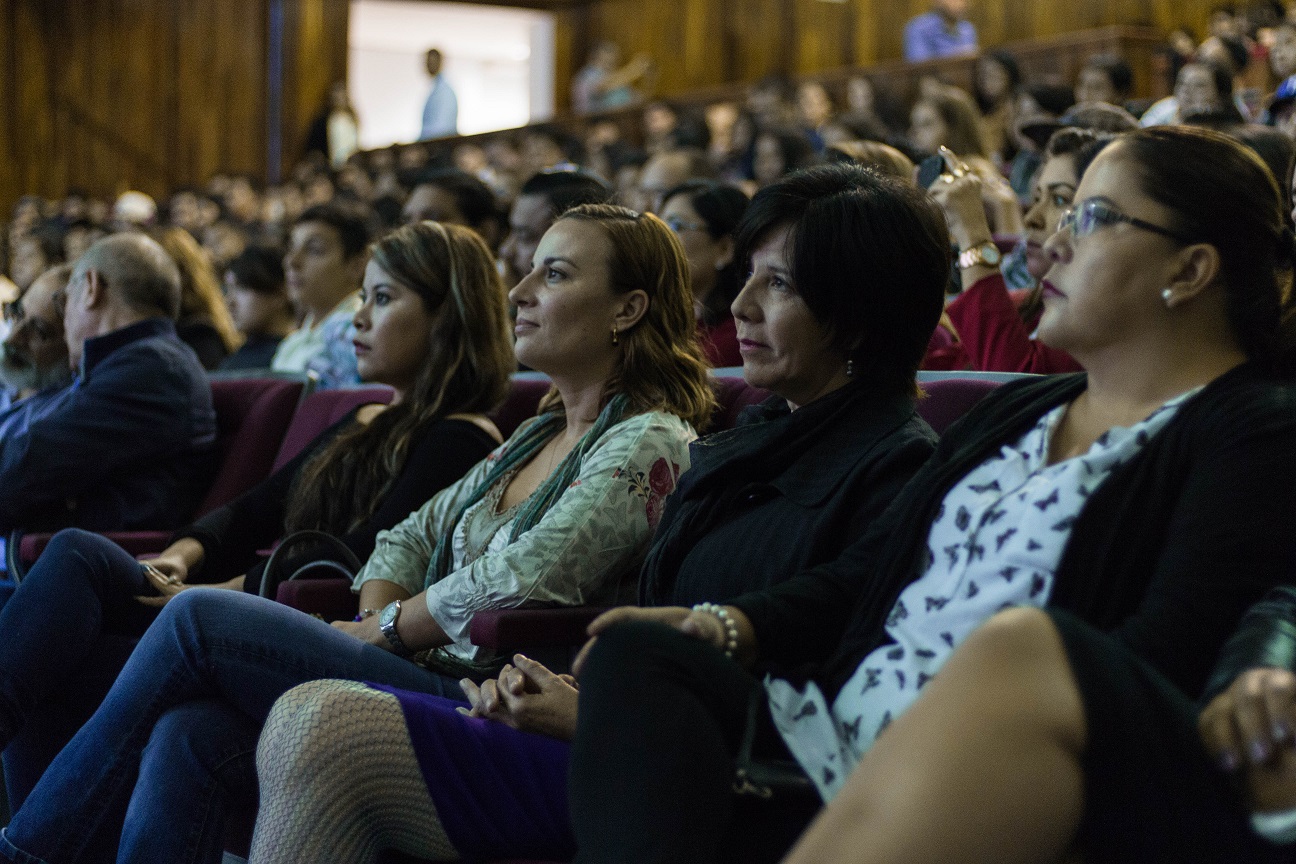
x=727 y=622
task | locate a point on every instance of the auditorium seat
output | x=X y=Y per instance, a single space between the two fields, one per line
x=948 y=399
x=322 y=409
x=252 y=416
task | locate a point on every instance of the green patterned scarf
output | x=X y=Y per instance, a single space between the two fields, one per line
x=519 y=453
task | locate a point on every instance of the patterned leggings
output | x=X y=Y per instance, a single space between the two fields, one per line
x=340 y=781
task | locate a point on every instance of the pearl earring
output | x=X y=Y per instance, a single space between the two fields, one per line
x=1167 y=295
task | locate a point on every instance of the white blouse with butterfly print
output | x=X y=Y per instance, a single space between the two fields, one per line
x=995 y=543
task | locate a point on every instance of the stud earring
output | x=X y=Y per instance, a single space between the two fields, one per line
x=1167 y=295
x=615 y=340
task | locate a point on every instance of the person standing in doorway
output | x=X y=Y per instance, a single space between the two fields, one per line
x=441 y=111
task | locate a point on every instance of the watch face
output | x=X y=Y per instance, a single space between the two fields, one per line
x=990 y=254
x=388 y=614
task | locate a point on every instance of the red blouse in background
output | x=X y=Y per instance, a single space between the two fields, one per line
x=720 y=343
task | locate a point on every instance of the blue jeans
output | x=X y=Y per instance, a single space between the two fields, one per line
x=65 y=633
x=148 y=778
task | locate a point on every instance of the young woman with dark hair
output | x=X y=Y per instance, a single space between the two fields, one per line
x=558 y=515
x=433 y=326
x=704 y=213
x=1148 y=498
x=994 y=329
x=786 y=489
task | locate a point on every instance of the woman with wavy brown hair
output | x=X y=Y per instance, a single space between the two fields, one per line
x=433 y=326
x=559 y=514
x=205 y=323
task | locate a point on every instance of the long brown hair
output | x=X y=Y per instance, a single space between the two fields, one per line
x=660 y=366
x=201 y=298
x=466 y=371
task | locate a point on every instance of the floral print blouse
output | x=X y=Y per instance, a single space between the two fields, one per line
x=995 y=543
x=595 y=534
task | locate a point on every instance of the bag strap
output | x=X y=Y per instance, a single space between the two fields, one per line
x=335 y=547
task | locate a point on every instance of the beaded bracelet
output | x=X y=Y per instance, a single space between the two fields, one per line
x=727 y=622
x=366 y=613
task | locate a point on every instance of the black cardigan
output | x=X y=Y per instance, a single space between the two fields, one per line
x=231 y=536
x=781 y=492
x=1166 y=555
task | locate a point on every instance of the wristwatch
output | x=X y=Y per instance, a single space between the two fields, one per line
x=387 y=623
x=986 y=253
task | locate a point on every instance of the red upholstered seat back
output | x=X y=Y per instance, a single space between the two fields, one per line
x=950 y=398
x=252 y=415
x=520 y=405
x=322 y=409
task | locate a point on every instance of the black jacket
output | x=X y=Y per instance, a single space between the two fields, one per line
x=781 y=492
x=1167 y=554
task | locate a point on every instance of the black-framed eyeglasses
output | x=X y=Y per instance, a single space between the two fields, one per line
x=1093 y=213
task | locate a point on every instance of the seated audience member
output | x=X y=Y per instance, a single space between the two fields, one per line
x=541 y=200
x=664 y=171
x=1281 y=111
x=1104 y=78
x=1202 y=87
x=942 y=32
x=882 y=158
x=815 y=110
x=558 y=515
x=777 y=153
x=259 y=304
x=947 y=117
x=1148 y=498
x=787 y=489
x=129 y=443
x=704 y=214
x=433 y=326
x=323 y=268
x=34 y=252
x=995 y=334
x=205 y=324
x=1055 y=739
x=34 y=356
x=1035 y=103
x=454 y=197
x=1282 y=54
x=998 y=76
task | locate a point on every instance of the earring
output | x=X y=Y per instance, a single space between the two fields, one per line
x=850 y=368
x=615 y=341
x=1167 y=295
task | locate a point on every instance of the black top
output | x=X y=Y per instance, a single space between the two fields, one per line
x=205 y=340
x=1167 y=554
x=255 y=353
x=781 y=492
x=231 y=536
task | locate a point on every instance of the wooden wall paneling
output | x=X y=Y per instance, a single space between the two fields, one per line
x=315 y=56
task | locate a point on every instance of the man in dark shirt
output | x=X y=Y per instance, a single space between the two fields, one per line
x=130 y=443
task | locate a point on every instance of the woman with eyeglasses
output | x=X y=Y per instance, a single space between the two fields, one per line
x=1144 y=503
x=704 y=214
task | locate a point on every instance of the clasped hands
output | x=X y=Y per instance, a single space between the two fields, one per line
x=528 y=696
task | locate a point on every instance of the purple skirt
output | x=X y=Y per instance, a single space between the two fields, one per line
x=500 y=793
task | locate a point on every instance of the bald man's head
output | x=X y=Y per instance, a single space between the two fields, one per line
x=137 y=271
x=119 y=281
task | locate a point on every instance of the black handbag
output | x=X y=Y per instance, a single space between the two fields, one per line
x=334 y=560
x=769 y=778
